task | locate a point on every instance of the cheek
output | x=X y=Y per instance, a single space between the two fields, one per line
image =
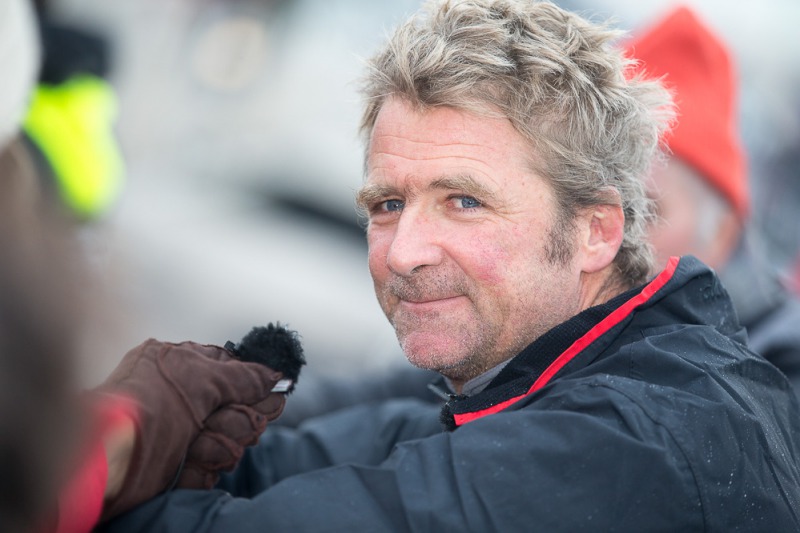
x=509 y=255
x=378 y=247
x=489 y=261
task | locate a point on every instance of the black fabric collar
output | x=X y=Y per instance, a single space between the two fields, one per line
x=524 y=369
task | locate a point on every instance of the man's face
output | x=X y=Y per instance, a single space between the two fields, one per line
x=458 y=230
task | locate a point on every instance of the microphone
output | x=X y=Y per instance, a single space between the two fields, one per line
x=273 y=346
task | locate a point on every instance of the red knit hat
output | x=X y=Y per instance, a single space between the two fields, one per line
x=697 y=67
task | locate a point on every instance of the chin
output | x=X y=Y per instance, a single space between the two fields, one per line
x=427 y=356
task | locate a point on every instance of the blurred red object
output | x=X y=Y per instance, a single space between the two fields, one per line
x=794 y=277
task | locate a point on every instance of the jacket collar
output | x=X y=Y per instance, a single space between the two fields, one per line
x=542 y=360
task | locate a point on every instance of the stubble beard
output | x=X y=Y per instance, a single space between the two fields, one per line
x=475 y=343
x=470 y=339
x=475 y=350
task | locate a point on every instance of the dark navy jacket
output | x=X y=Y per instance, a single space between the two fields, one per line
x=644 y=414
x=765 y=307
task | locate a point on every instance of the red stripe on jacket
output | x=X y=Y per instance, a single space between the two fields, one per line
x=580 y=344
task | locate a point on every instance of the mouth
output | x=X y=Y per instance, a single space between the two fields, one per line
x=428 y=299
x=430 y=303
x=430 y=294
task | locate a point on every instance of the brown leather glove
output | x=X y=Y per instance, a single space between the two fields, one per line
x=220 y=446
x=178 y=387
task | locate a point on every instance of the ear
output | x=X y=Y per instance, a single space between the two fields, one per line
x=602 y=236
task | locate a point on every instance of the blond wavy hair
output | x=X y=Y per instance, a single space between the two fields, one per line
x=593 y=126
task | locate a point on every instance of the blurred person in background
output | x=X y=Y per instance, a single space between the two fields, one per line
x=169 y=414
x=701 y=191
x=505 y=157
x=69 y=124
x=35 y=381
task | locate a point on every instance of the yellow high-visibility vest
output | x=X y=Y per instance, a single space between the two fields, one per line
x=72 y=124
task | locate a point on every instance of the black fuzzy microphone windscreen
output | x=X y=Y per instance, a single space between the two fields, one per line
x=273 y=346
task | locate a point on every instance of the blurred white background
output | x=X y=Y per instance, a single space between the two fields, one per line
x=238 y=123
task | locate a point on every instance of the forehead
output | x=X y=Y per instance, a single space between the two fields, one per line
x=443 y=141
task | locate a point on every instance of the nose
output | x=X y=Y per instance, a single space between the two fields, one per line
x=415 y=243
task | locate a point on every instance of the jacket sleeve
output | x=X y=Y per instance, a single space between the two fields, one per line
x=364 y=434
x=603 y=468
x=80 y=502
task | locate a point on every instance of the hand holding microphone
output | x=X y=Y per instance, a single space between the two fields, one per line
x=197 y=407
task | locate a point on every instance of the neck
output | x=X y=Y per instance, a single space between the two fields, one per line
x=601 y=286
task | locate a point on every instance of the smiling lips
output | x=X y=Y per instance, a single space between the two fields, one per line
x=429 y=299
x=429 y=291
x=429 y=305
x=417 y=294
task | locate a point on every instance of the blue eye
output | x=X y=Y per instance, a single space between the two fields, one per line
x=468 y=202
x=393 y=205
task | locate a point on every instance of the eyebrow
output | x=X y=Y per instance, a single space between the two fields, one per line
x=370 y=193
x=467 y=184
